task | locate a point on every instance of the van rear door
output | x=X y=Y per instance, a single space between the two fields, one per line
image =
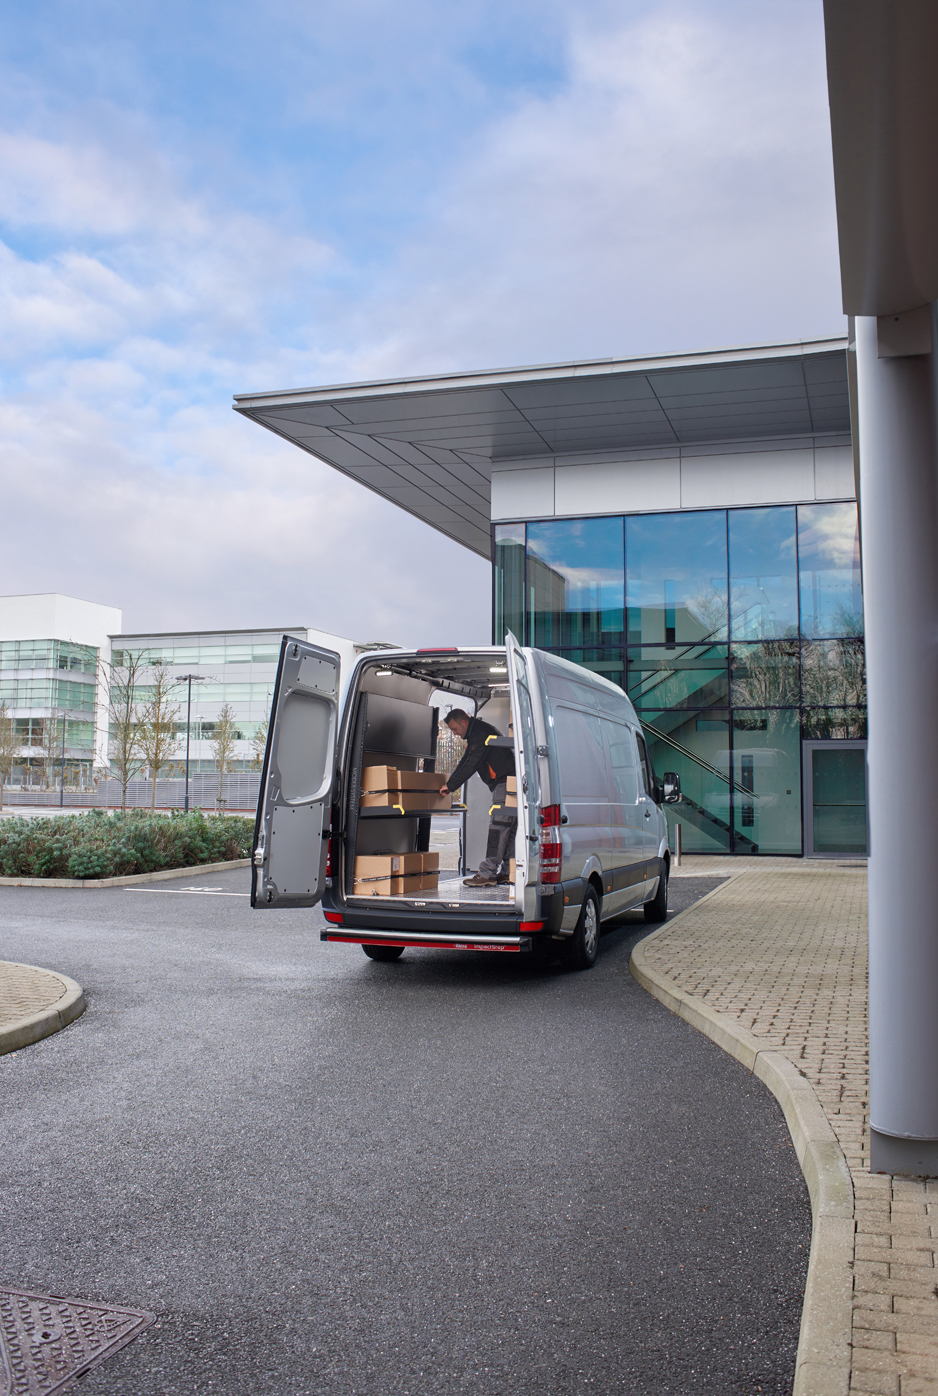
x=291 y=833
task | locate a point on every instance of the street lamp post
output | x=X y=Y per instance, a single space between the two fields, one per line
x=190 y=679
x=62 y=781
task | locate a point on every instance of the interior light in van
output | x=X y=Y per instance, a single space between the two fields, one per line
x=498 y=668
x=383 y=673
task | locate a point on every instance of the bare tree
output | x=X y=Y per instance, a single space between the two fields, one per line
x=259 y=744
x=223 y=741
x=51 y=747
x=9 y=747
x=123 y=677
x=157 y=717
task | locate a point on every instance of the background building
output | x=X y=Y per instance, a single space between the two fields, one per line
x=53 y=655
x=236 y=668
x=56 y=657
x=686 y=525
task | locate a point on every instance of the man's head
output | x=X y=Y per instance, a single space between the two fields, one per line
x=457 y=721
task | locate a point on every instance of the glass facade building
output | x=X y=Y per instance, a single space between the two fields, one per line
x=737 y=634
x=43 y=684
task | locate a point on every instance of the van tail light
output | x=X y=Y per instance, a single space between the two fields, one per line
x=329 y=858
x=551 y=844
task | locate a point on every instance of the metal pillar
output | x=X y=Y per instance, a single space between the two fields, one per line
x=899 y=518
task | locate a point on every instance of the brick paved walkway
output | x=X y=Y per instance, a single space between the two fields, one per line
x=25 y=991
x=781 y=949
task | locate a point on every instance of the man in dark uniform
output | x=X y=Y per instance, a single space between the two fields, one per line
x=494 y=764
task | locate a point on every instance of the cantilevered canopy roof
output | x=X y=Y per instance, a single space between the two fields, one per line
x=429 y=444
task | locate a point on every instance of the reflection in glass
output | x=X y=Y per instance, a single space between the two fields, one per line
x=676 y=577
x=678 y=677
x=826 y=724
x=508 y=581
x=765 y=675
x=833 y=673
x=766 y=782
x=574 y=582
x=829 y=564
x=696 y=747
x=763 y=573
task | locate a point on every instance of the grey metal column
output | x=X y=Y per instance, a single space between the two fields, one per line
x=899 y=518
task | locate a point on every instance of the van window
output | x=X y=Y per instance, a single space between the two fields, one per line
x=647 y=776
x=561 y=685
x=579 y=739
x=525 y=721
x=622 y=761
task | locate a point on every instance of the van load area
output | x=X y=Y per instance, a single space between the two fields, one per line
x=389 y=787
x=557 y=811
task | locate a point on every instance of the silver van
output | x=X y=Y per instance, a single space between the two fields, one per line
x=591 y=840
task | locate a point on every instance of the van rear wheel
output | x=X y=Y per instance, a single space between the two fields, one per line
x=580 y=951
x=383 y=952
x=657 y=908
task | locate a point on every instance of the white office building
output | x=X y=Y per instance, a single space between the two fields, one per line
x=54 y=652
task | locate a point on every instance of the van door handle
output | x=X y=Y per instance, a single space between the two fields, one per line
x=648 y=814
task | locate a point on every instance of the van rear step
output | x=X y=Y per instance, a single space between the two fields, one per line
x=428 y=941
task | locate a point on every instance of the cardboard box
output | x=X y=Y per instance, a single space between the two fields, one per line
x=512 y=868
x=390 y=886
x=380 y=799
x=421 y=780
x=511 y=784
x=511 y=802
x=414 y=800
x=395 y=874
x=379 y=865
x=381 y=778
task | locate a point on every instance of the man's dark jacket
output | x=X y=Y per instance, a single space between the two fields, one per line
x=493 y=763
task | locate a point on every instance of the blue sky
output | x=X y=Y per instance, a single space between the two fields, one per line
x=198 y=200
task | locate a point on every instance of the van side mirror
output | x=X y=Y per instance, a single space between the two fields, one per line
x=672 y=788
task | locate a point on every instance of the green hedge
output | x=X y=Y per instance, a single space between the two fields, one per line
x=112 y=845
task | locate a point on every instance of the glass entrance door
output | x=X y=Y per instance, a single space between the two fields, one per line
x=835 y=816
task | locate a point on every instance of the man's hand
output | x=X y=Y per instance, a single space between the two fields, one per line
x=444 y=789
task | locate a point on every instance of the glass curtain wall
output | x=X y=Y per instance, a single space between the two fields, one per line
x=735 y=632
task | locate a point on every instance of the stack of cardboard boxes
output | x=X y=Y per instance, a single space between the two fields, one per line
x=385 y=787
x=406 y=792
x=396 y=874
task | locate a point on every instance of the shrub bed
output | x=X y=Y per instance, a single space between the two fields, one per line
x=112 y=845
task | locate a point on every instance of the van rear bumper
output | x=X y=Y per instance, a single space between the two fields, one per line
x=434 y=925
x=428 y=940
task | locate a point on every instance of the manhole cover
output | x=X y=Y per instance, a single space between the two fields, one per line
x=45 y=1341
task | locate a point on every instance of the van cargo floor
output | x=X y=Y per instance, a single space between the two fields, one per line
x=452 y=891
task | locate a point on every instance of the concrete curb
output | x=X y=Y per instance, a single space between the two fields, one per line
x=91 y=883
x=48 y=1020
x=823 y=1363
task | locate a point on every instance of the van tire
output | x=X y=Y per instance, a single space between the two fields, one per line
x=657 y=908
x=580 y=951
x=384 y=953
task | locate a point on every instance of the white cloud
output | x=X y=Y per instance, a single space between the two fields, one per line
x=673 y=192
x=676 y=194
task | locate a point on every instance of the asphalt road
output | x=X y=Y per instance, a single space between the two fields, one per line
x=454 y=1174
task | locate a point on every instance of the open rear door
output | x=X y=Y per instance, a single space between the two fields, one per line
x=292 y=828
x=519 y=685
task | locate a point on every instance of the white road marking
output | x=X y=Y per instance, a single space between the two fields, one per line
x=188 y=891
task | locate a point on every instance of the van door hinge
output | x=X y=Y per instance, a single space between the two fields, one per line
x=542 y=751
